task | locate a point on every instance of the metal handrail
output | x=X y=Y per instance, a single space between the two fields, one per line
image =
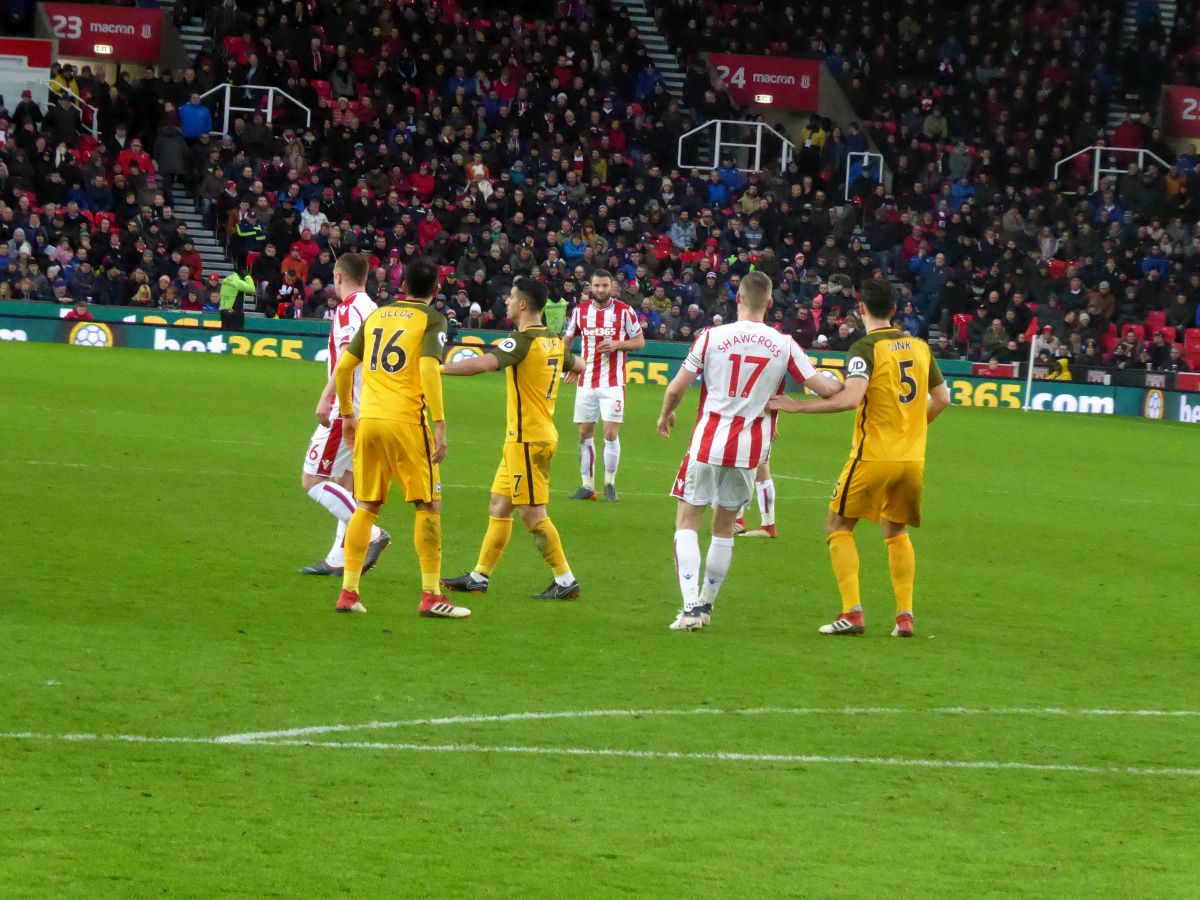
x=228 y=106
x=60 y=88
x=785 y=154
x=1099 y=172
x=867 y=156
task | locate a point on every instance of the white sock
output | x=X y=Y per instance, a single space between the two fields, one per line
x=766 y=501
x=475 y=576
x=564 y=580
x=336 y=556
x=340 y=502
x=334 y=498
x=687 y=566
x=716 y=567
x=587 y=463
x=612 y=459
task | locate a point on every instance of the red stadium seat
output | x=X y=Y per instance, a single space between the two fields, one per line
x=1191 y=340
x=1155 y=320
x=323 y=88
x=1168 y=332
x=1108 y=340
x=251 y=257
x=961 y=321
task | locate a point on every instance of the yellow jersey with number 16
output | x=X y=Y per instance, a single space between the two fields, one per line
x=891 y=421
x=390 y=344
x=535 y=359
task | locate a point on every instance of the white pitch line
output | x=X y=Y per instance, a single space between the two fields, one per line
x=124 y=467
x=612 y=753
x=706 y=711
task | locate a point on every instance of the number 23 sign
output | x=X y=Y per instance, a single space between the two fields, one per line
x=1182 y=111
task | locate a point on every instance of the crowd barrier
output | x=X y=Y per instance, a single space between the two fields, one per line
x=1151 y=395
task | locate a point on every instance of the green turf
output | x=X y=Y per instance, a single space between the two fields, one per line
x=153 y=523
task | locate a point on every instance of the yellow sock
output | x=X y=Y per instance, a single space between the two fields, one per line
x=358 y=537
x=902 y=560
x=498 y=533
x=844 y=553
x=427 y=538
x=549 y=544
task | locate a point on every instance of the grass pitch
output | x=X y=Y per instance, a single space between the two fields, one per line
x=153 y=525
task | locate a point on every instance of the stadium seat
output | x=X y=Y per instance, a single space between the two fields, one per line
x=323 y=88
x=1108 y=340
x=961 y=321
x=1191 y=341
x=1155 y=320
x=1168 y=332
x=251 y=257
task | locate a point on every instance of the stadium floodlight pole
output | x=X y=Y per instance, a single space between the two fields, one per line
x=1029 y=374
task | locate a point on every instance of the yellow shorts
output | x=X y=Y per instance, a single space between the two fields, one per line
x=880 y=489
x=402 y=451
x=524 y=473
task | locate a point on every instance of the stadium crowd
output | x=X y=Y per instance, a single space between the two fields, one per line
x=501 y=145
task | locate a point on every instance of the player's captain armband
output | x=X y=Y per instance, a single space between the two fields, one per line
x=856 y=367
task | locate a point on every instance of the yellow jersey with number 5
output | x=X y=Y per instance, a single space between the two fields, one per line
x=891 y=421
x=390 y=344
x=535 y=359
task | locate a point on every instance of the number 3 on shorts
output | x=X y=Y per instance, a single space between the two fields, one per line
x=618 y=405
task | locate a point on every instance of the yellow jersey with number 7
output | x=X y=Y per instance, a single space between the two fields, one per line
x=891 y=421
x=535 y=360
x=390 y=344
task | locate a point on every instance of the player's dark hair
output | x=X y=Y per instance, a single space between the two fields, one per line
x=421 y=278
x=354 y=267
x=879 y=297
x=602 y=273
x=532 y=292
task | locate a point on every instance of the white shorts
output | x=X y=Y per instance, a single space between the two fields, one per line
x=328 y=455
x=703 y=484
x=607 y=403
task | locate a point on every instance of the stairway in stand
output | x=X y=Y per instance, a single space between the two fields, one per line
x=1127 y=101
x=191 y=32
x=206 y=242
x=655 y=43
x=193 y=37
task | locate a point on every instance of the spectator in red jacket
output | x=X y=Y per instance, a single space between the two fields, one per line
x=306 y=247
x=134 y=154
x=80 y=312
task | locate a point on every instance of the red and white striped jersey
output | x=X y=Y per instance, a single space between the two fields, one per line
x=743 y=365
x=615 y=322
x=348 y=318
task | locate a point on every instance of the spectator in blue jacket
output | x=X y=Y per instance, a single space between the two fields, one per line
x=643 y=86
x=718 y=191
x=1155 y=261
x=732 y=178
x=931 y=280
x=194 y=119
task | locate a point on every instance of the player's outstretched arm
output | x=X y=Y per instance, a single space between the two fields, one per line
x=476 y=365
x=939 y=399
x=672 y=398
x=571 y=374
x=848 y=397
